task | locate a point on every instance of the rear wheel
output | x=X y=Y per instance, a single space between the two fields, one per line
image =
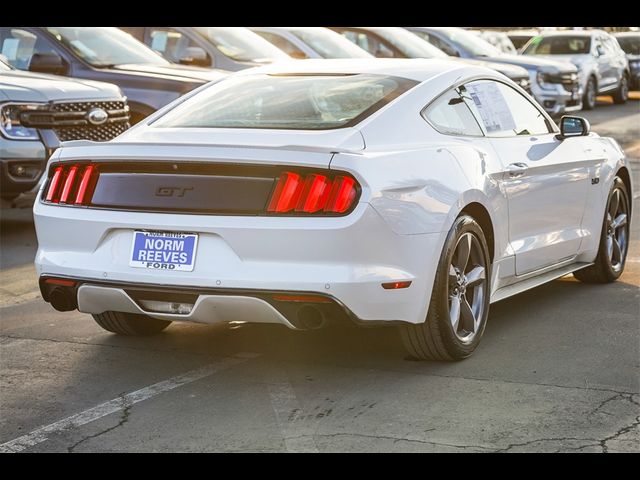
x=460 y=300
x=130 y=323
x=614 y=239
x=621 y=95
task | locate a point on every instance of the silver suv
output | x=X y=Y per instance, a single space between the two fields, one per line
x=39 y=111
x=602 y=64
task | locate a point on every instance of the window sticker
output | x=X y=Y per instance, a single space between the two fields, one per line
x=492 y=106
x=159 y=41
x=10 y=48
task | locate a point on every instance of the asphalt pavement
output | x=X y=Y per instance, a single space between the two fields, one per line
x=557 y=370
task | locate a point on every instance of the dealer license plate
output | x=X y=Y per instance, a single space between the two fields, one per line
x=164 y=250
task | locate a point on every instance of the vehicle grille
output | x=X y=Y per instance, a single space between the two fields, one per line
x=569 y=81
x=101 y=133
x=70 y=120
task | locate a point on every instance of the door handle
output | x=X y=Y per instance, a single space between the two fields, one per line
x=517 y=170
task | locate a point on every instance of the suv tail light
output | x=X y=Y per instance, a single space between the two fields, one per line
x=312 y=193
x=71 y=184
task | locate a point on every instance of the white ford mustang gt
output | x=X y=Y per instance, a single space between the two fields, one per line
x=408 y=191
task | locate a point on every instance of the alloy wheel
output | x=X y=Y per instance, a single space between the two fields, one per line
x=617 y=229
x=467 y=287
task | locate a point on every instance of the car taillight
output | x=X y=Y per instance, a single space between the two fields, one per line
x=312 y=193
x=71 y=184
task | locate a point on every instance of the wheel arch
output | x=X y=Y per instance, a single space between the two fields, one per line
x=482 y=216
x=623 y=173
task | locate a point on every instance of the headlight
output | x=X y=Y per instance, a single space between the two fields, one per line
x=634 y=65
x=543 y=80
x=10 y=125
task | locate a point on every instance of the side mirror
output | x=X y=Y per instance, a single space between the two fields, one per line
x=573 y=127
x=599 y=51
x=195 y=56
x=49 y=62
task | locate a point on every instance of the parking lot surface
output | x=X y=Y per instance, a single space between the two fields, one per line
x=557 y=370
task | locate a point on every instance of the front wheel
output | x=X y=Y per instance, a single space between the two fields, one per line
x=621 y=95
x=130 y=323
x=614 y=239
x=460 y=299
x=590 y=93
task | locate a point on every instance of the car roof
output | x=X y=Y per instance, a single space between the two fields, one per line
x=626 y=34
x=418 y=69
x=570 y=33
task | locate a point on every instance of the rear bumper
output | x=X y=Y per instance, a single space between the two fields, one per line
x=344 y=258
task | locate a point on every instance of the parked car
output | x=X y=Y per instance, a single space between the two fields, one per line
x=225 y=48
x=107 y=54
x=602 y=64
x=396 y=42
x=554 y=84
x=311 y=42
x=321 y=209
x=519 y=38
x=630 y=43
x=39 y=111
x=500 y=40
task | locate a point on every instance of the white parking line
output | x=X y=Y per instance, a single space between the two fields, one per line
x=297 y=436
x=42 y=434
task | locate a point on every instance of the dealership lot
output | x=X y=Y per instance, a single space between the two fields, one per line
x=572 y=385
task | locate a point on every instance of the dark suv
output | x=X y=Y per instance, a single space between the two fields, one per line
x=106 y=54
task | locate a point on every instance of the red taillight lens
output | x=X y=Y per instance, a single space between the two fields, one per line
x=343 y=192
x=72 y=184
x=312 y=193
x=69 y=184
x=86 y=185
x=285 y=197
x=54 y=185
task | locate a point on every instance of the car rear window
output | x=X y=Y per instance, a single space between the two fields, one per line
x=559 y=45
x=290 y=102
x=630 y=45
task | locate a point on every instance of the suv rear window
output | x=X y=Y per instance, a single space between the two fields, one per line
x=289 y=102
x=559 y=45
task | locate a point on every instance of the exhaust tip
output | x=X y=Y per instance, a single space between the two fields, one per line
x=62 y=300
x=311 y=318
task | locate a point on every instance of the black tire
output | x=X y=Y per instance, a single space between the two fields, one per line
x=129 y=323
x=621 y=95
x=603 y=270
x=590 y=93
x=435 y=339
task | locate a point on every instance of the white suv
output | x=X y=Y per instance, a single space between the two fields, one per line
x=602 y=65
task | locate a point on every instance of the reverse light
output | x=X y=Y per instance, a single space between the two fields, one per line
x=312 y=193
x=71 y=184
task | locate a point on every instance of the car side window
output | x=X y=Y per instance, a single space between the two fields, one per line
x=18 y=46
x=449 y=114
x=169 y=43
x=369 y=43
x=283 y=44
x=504 y=112
x=442 y=45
